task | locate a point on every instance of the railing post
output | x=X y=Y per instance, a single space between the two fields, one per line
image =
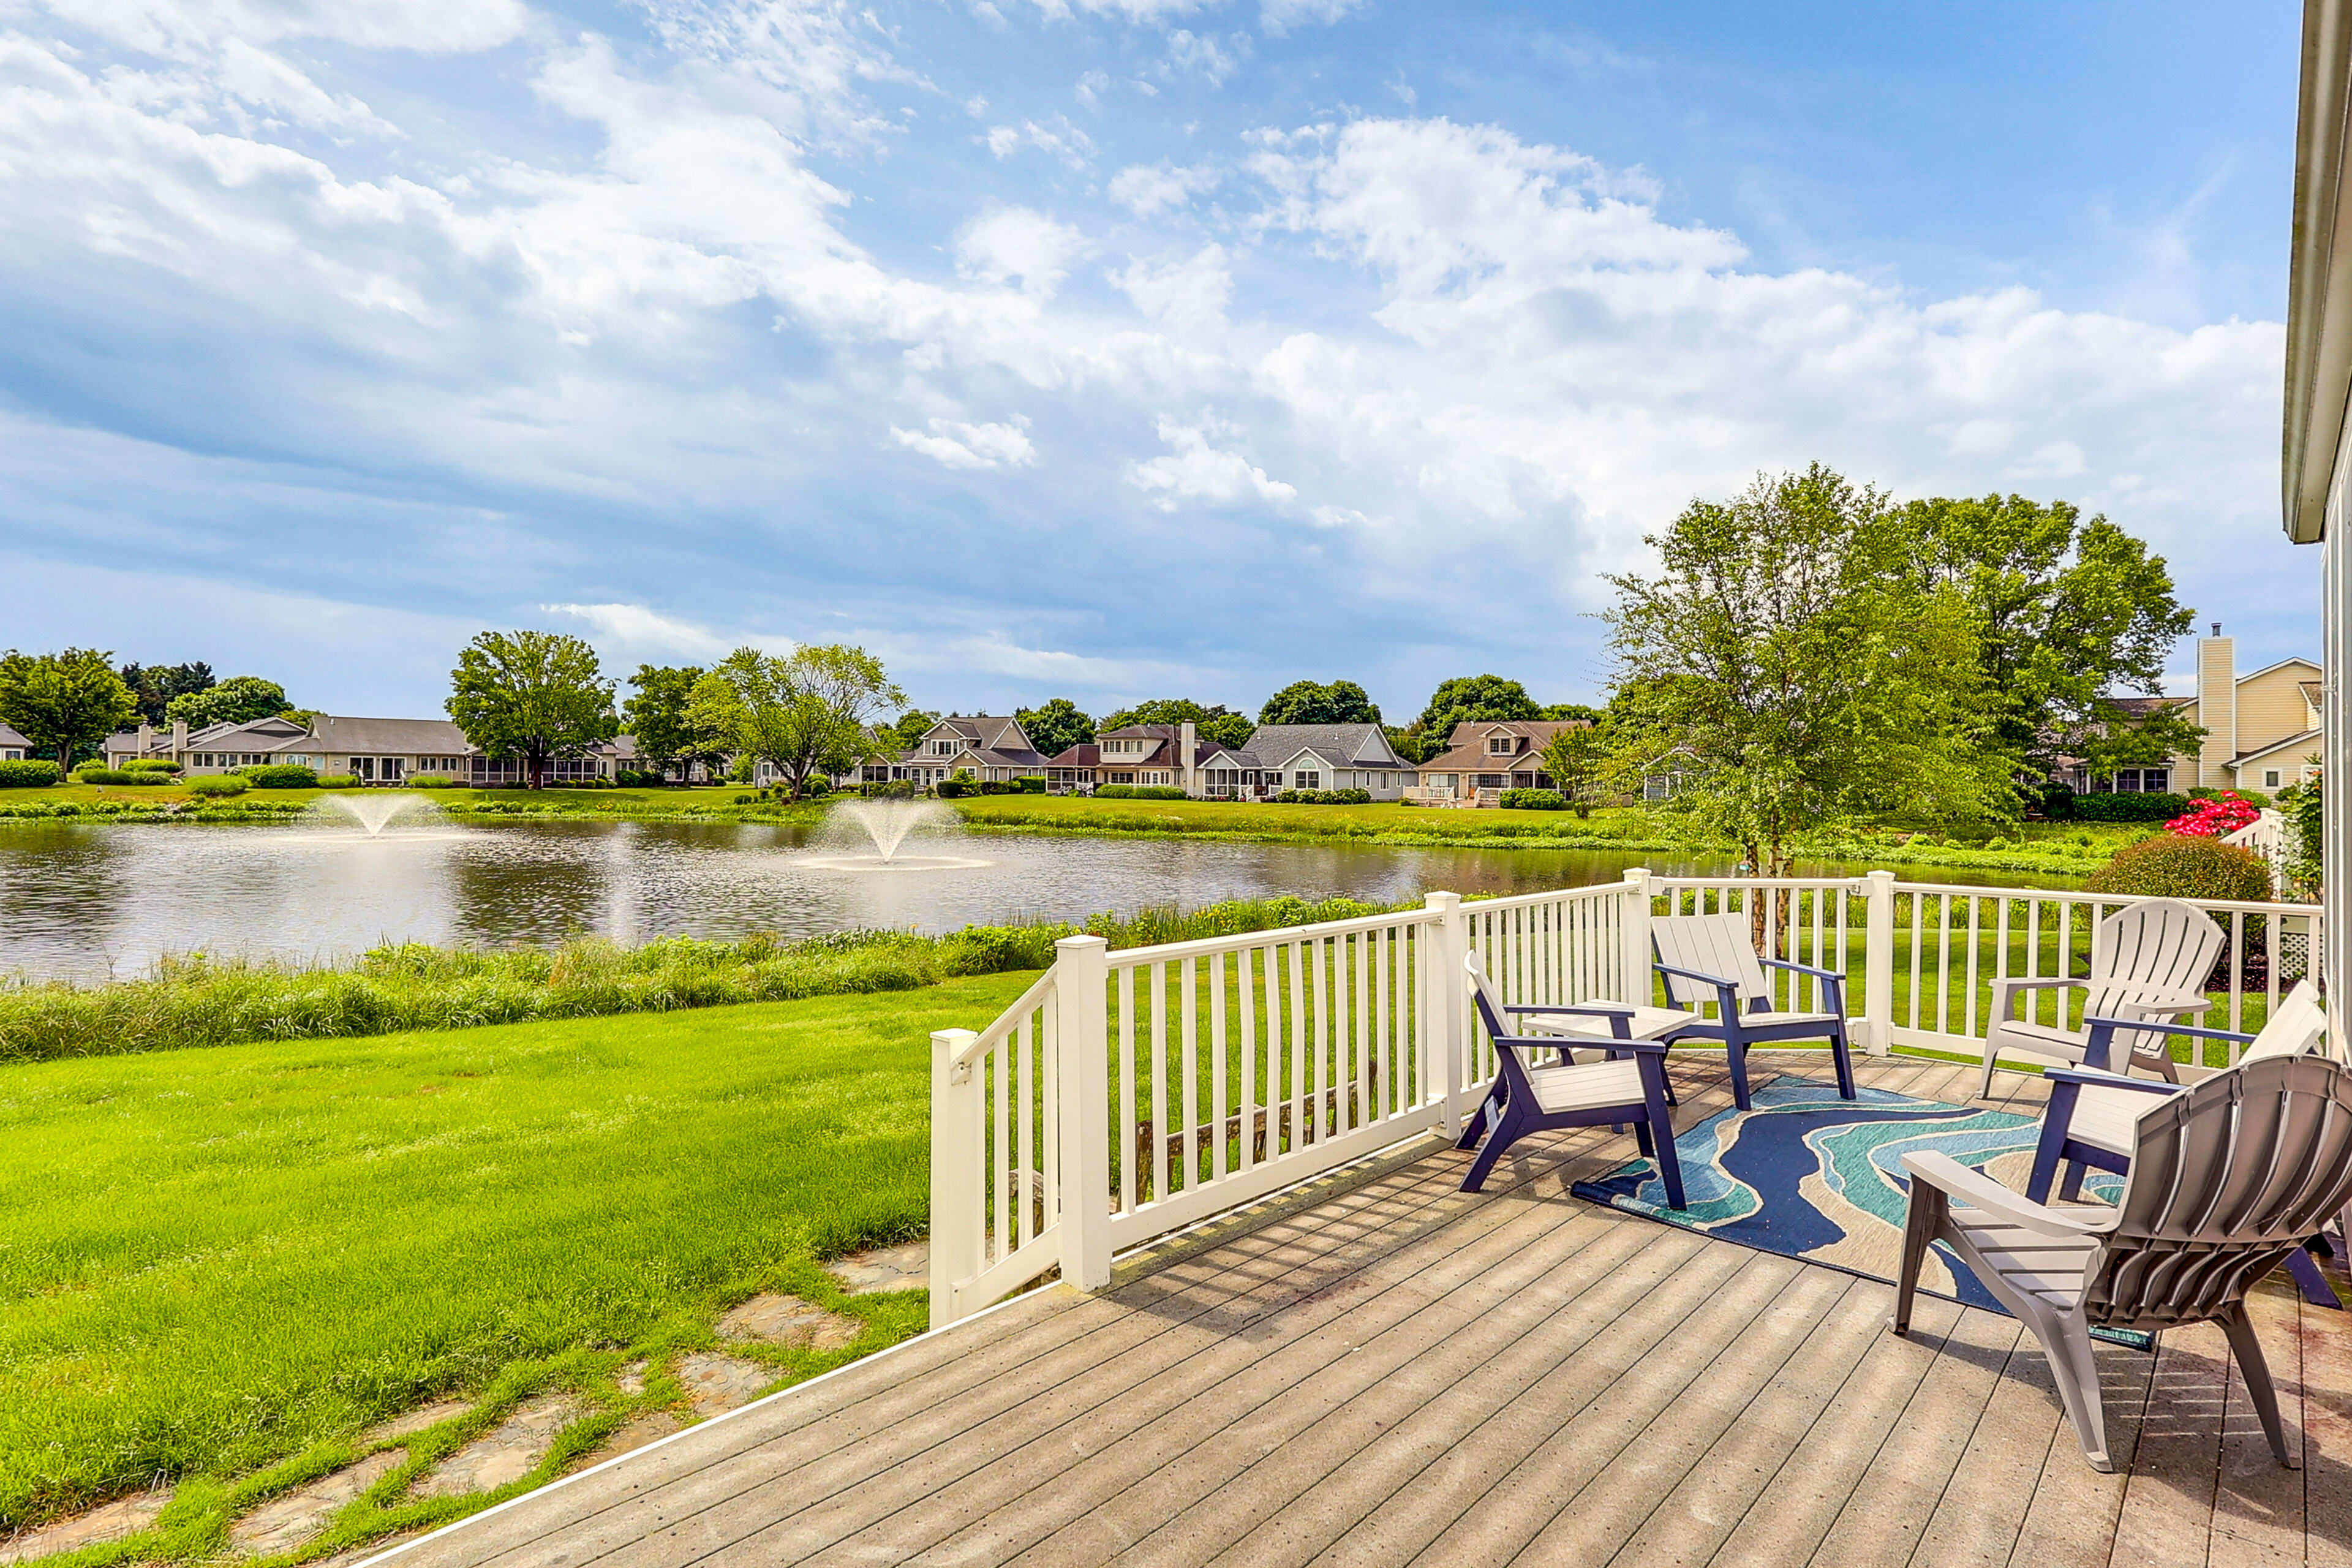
x=1635 y=924
x=958 y=1220
x=1082 y=978
x=1878 y=964
x=1449 y=994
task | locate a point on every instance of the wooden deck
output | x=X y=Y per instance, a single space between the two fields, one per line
x=1401 y=1374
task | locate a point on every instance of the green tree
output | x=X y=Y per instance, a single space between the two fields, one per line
x=805 y=712
x=1468 y=699
x=154 y=686
x=240 y=699
x=534 y=695
x=656 y=717
x=1308 y=702
x=2064 y=612
x=1577 y=760
x=1806 y=671
x=1561 y=712
x=1219 y=724
x=1056 y=727
x=64 y=702
x=911 y=727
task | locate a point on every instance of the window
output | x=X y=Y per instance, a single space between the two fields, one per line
x=1307 y=779
x=2270 y=778
x=1119 y=778
x=1442 y=781
x=1487 y=780
x=944 y=748
x=1501 y=745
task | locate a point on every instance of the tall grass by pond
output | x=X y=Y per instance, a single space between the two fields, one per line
x=194 y=1000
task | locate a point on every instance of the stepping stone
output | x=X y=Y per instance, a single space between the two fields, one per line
x=290 y=1518
x=789 y=1320
x=415 y=1421
x=650 y=1427
x=506 y=1453
x=716 y=1381
x=110 y=1522
x=630 y=1379
x=906 y=1267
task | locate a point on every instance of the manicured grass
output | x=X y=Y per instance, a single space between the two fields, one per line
x=225 y=1260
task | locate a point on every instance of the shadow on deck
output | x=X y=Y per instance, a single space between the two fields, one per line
x=1402 y=1373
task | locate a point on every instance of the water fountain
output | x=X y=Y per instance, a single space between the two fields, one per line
x=375 y=810
x=872 y=834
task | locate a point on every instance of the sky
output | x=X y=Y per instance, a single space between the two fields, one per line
x=1107 y=348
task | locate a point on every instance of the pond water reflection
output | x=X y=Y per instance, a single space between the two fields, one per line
x=84 y=901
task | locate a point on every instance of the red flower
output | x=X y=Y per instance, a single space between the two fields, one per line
x=2217 y=818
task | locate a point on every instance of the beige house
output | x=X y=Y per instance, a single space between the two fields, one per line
x=2261 y=730
x=992 y=749
x=1484 y=757
x=14 y=747
x=374 y=751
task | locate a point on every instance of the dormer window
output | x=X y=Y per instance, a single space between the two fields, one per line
x=944 y=748
x=1502 y=746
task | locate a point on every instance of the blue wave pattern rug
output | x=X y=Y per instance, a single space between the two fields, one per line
x=1809 y=1175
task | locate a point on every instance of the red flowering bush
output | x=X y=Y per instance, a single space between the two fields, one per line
x=2216 y=817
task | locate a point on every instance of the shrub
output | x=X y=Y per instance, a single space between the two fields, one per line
x=92 y=775
x=1029 y=787
x=214 y=787
x=955 y=789
x=416 y=781
x=1324 y=797
x=156 y=764
x=2054 y=798
x=2129 y=807
x=2216 y=816
x=2175 y=866
x=1138 y=792
x=33 y=773
x=339 y=781
x=1534 y=800
x=897 y=789
x=281 y=776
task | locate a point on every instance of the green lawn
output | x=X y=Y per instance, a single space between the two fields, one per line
x=225 y=1260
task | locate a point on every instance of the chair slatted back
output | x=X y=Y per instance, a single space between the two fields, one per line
x=2296 y=1027
x=2157 y=942
x=1712 y=944
x=2229 y=1177
x=1486 y=998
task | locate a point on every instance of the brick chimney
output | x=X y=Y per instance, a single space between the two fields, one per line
x=2217 y=707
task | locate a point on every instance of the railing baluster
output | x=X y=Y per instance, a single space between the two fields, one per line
x=1217 y=1090
x=1189 y=1045
x=1158 y=991
x=1126 y=1150
x=1245 y=988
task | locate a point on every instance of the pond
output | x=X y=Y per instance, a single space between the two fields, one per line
x=85 y=901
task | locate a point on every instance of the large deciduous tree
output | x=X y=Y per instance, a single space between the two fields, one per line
x=1219 y=724
x=805 y=712
x=656 y=717
x=1054 y=728
x=1311 y=702
x=911 y=726
x=1577 y=760
x=538 y=696
x=64 y=702
x=240 y=699
x=1468 y=699
x=2066 y=612
x=1799 y=670
x=154 y=686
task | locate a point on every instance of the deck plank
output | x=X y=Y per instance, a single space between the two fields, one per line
x=1404 y=1372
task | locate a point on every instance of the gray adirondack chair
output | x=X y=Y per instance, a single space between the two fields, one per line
x=2227 y=1179
x=1709 y=959
x=1628 y=1084
x=2146 y=961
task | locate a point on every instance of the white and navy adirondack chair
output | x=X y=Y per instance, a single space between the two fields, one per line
x=1709 y=959
x=1628 y=1084
x=2227 y=1179
x=2146 y=961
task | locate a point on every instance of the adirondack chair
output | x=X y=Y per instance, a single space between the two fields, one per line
x=1532 y=1094
x=1709 y=959
x=2093 y=1119
x=2146 y=961
x=2227 y=1179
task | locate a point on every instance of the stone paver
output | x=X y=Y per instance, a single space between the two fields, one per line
x=110 y=1521
x=414 y=1422
x=290 y=1518
x=906 y=1267
x=789 y=1320
x=630 y=1379
x=506 y=1453
x=717 y=1382
x=650 y=1427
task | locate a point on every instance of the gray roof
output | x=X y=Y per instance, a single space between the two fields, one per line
x=1340 y=745
x=9 y=738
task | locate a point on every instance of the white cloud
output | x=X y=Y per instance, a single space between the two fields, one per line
x=1134 y=11
x=1196 y=471
x=1279 y=16
x=637 y=628
x=1059 y=138
x=1146 y=189
x=1202 y=56
x=962 y=445
x=1010 y=243
x=1186 y=295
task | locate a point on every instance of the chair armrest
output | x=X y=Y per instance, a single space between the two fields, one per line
x=1801 y=968
x=1981 y=1192
x=2099 y=1035
x=2090 y=1078
x=2162 y=999
x=2008 y=992
x=1717 y=981
x=1554 y=1042
x=1600 y=1009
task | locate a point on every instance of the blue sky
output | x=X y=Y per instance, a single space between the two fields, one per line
x=1097 y=348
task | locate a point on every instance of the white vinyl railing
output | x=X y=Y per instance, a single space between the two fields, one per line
x=1128 y=1094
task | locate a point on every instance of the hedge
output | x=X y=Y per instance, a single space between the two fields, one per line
x=2177 y=866
x=2129 y=807
x=31 y=773
x=339 y=781
x=279 y=776
x=1324 y=797
x=1138 y=792
x=216 y=785
x=431 y=781
x=1534 y=800
x=121 y=776
x=154 y=764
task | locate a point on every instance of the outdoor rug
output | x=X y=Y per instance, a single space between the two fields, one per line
x=1809 y=1175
